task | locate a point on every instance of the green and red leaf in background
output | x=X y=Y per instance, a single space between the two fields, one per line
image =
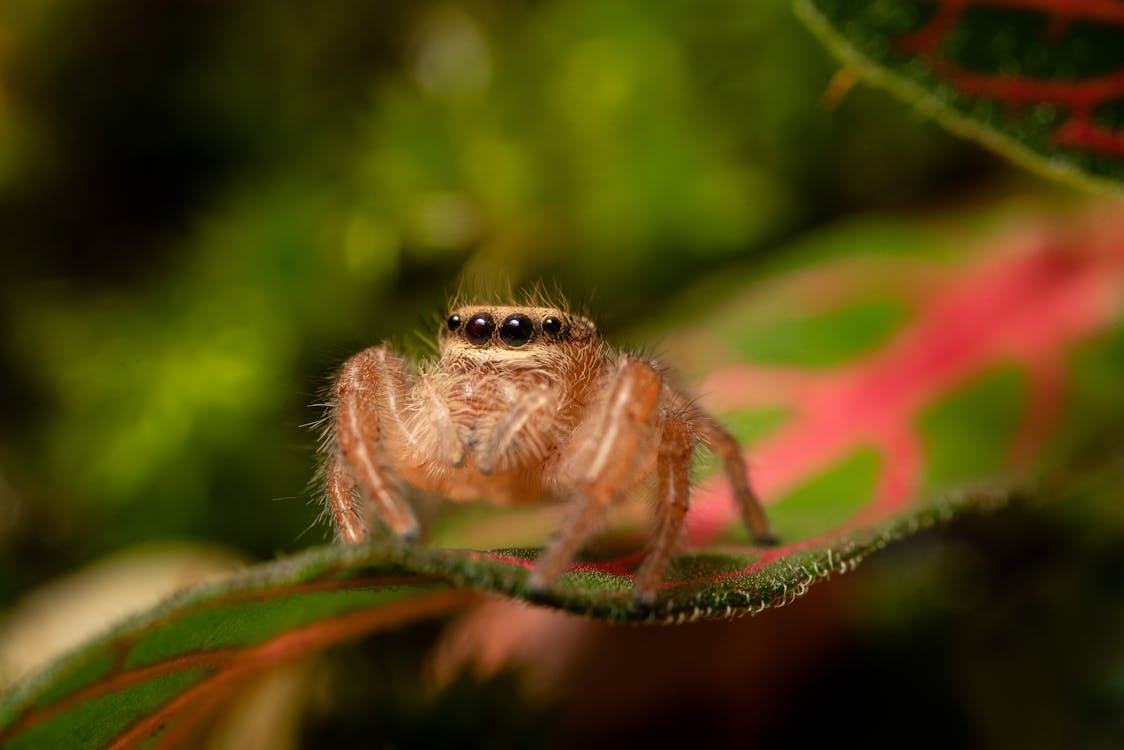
x=1037 y=80
x=883 y=392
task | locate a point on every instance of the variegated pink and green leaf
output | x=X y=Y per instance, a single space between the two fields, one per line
x=892 y=375
x=1039 y=81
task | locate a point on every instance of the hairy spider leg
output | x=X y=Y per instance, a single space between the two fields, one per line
x=673 y=492
x=726 y=446
x=626 y=416
x=517 y=423
x=441 y=429
x=339 y=486
x=369 y=378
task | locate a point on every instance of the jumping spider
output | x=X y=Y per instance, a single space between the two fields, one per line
x=523 y=403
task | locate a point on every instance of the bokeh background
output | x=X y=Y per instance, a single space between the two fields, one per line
x=206 y=206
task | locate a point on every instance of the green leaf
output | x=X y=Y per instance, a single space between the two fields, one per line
x=148 y=674
x=1040 y=83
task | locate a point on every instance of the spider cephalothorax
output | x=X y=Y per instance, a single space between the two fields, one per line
x=523 y=403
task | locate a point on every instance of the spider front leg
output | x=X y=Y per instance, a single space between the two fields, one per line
x=673 y=494
x=517 y=429
x=370 y=379
x=623 y=423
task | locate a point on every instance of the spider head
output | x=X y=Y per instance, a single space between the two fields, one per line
x=512 y=332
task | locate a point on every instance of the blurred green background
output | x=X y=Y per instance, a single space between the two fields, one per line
x=206 y=206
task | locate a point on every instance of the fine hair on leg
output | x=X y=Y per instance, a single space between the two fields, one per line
x=673 y=490
x=622 y=423
x=368 y=377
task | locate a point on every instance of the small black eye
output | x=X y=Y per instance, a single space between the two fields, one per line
x=516 y=329
x=454 y=322
x=478 y=330
x=552 y=325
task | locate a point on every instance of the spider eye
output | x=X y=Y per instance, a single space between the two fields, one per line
x=478 y=330
x=454 y=322
x=516 y=329
x=552 y=325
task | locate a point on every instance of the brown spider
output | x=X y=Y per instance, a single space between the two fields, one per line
x=523 y=403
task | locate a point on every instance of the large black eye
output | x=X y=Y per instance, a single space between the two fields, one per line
x=478 y=329
x=516 y=329
x=552 y=325
x=454 y=322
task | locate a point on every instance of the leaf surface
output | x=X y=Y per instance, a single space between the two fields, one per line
x=1041 y=82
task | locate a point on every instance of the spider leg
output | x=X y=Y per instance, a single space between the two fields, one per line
x=673 y=471
x=726 y=446
x=514 y=425
x=369 y=378
x=339 y=484
x=443 y=430
x=625 y=418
